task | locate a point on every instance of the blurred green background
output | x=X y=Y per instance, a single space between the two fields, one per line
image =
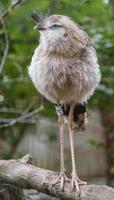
x=17 y=93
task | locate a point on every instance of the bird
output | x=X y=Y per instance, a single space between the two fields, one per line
x=65 y=70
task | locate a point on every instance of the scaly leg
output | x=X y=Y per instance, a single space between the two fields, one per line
x=62 y=177
x=75 y=180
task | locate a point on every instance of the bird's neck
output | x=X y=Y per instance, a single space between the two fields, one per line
x=65 y=49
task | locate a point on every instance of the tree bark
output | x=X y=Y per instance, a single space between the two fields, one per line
x=22 y=174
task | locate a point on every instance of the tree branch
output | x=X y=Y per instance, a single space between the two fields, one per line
x=24 y=175
x=8 y=11
x=2 y=23
x=6 y=47
x=22 y=118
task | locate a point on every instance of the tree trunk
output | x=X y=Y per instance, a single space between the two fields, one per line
x=21 y=174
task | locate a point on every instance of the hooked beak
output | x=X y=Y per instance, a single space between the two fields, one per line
x=39 y=27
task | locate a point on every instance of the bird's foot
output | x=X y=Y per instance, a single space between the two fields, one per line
x=60 y=181
x=76 y=182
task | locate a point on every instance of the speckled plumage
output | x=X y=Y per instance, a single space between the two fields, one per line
x=65 y=70
x=64 y=66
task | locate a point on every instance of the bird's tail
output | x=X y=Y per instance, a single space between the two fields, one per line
x=79 y=115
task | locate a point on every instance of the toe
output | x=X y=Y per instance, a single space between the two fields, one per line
x=82 y=182
x=75 y=185
x=60 y=181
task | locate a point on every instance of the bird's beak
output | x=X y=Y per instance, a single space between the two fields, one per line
x=39 y=27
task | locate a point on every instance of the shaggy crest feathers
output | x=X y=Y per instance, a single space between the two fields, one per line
x=38 y=17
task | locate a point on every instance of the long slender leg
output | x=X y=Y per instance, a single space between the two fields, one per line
x=70 y=124
x=74 y=172
x=62 y=177
x=75 y=180
x=61 y=128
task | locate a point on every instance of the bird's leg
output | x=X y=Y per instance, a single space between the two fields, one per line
x=61 y=127
x=62 y=177
x=75 y=180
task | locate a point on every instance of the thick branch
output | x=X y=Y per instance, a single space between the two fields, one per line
x=22 y=174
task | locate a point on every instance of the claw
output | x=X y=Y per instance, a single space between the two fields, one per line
x=76 y=182
x=61 y=180
x=81 y=182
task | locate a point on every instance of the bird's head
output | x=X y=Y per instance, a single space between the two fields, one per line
x=58 y=31
x=52 y=27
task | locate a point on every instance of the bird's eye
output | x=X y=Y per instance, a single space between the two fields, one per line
x=54 y=26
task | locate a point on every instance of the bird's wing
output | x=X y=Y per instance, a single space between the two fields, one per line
x=82 y=37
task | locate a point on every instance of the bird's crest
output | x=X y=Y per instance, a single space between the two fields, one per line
x=38 y=17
